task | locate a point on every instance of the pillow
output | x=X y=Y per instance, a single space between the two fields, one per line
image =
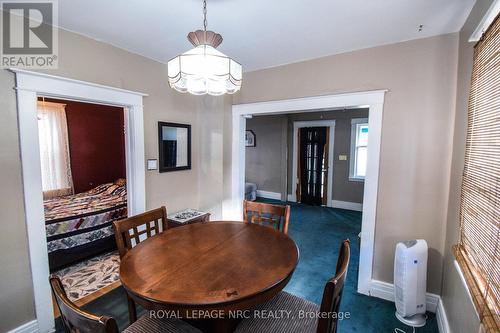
x=120 y=181
x=99 y=189
x=111 y=189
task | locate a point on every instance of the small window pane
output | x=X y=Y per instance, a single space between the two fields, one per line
x=359 y=139
x=362 y=135
x=361 y=162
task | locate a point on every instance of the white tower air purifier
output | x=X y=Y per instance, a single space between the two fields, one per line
x=410 y=280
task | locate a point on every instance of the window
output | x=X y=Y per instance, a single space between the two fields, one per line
x=478 y=252
x=359 y=149
x=54 y=149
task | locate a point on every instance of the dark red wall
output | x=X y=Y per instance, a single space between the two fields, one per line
x=97 y=143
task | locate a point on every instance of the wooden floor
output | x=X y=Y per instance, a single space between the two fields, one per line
x=89 y=298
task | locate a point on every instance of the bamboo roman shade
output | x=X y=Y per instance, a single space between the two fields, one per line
x=478 y=251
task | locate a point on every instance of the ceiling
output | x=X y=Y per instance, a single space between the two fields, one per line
x=262 y=33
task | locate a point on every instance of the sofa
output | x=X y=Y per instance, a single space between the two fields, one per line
x=250 y=191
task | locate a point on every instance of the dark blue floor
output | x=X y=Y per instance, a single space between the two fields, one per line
x=318 y=232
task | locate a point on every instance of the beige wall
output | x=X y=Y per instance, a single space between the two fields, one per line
x=85 y=59
x=459 y=308
x=265 y=164
x=416 y=132
x=16 y=290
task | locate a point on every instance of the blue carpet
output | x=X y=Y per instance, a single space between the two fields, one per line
x=318 y=232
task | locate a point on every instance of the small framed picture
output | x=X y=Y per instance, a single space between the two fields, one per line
x=249 y=138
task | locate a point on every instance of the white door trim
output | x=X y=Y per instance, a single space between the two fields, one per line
x=357 y=206
x=374 y=100
x=312 y=123
x=29 y=85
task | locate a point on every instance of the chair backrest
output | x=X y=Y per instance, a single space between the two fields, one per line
x=276 y=216
x=75 y=319
x=134 y=227
x=332 y=294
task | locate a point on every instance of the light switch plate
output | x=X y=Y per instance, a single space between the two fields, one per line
x=152 y=164
x=342 y=157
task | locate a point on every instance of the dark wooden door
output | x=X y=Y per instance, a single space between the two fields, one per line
x=312 y=164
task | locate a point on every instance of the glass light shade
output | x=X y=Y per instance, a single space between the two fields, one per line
x=204 y=70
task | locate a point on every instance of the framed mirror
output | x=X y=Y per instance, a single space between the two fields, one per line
x=174 y=142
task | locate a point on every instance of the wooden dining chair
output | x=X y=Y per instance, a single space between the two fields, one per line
x=134 y=227
x=284 y=301
x=334 y=288
x=75 y=320
x=138 y=228
x=276 y=216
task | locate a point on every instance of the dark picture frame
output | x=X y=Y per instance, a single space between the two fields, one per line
x=163 y=163
x=250 y=139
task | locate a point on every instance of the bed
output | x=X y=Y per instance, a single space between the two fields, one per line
x=80 y=226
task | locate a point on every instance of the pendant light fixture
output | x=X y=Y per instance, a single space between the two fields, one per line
x=204 y=70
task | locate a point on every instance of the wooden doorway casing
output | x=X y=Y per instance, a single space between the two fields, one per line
x=30 y=85
x=232 y=207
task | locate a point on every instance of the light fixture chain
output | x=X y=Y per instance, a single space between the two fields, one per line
x=205 y=15
x=202 y=73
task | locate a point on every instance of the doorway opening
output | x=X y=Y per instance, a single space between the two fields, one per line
x=373 y=101
x=312 y=159
x=82 y=155
x=30 y=86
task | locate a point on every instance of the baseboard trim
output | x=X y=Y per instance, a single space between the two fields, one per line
x=442 y=319
x=269 y=195
x=29 y=327
x=347 y=205
x=385 y=291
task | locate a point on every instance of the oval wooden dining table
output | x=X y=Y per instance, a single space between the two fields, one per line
x=209 y=270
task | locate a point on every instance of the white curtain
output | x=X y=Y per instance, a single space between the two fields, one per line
x=54 y=149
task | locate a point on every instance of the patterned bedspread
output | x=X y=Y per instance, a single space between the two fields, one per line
x=83 y=218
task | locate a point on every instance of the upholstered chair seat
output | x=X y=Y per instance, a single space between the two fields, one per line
x=147 y=324
x=283 y=303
